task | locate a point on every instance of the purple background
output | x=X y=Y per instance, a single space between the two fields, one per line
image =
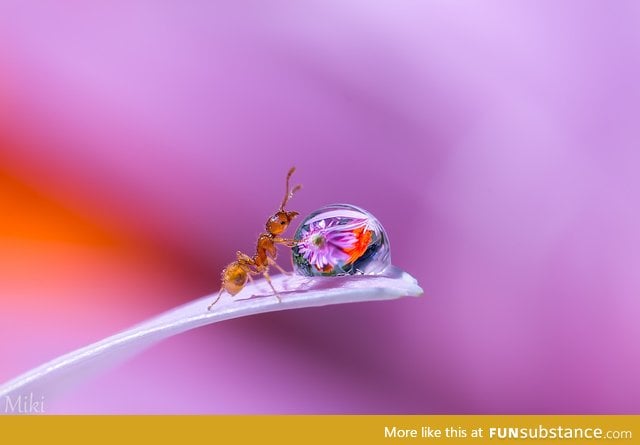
x=142 y=143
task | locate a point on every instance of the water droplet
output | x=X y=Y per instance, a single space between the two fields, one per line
x=340 y=239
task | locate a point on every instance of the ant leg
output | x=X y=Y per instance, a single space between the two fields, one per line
x=272 y=262
x=243 y=257
x=275 y=292
x=216 y=300
x=289 y=242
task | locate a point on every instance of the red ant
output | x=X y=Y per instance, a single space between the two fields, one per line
x=236 y=274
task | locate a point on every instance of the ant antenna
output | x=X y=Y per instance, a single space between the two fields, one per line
x=288 y=194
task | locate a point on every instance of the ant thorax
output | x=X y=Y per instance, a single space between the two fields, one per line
x=265 y=247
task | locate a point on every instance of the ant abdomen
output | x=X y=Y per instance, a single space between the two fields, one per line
x=234 y=278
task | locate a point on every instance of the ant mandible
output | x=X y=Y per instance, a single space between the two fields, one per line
x=236 y=274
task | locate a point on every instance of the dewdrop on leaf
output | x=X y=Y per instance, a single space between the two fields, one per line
x=340 y=239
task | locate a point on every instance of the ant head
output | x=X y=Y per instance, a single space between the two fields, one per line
x=279 y=222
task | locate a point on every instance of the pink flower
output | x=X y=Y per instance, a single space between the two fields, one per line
x=324 y=244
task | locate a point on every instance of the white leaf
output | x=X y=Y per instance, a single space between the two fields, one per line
x=65 y=372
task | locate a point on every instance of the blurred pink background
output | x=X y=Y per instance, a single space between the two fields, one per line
x=143 y=143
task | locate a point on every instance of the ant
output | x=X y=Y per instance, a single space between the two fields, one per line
x=236 y=274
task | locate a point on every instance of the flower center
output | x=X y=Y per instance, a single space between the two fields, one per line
x=318 y=240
